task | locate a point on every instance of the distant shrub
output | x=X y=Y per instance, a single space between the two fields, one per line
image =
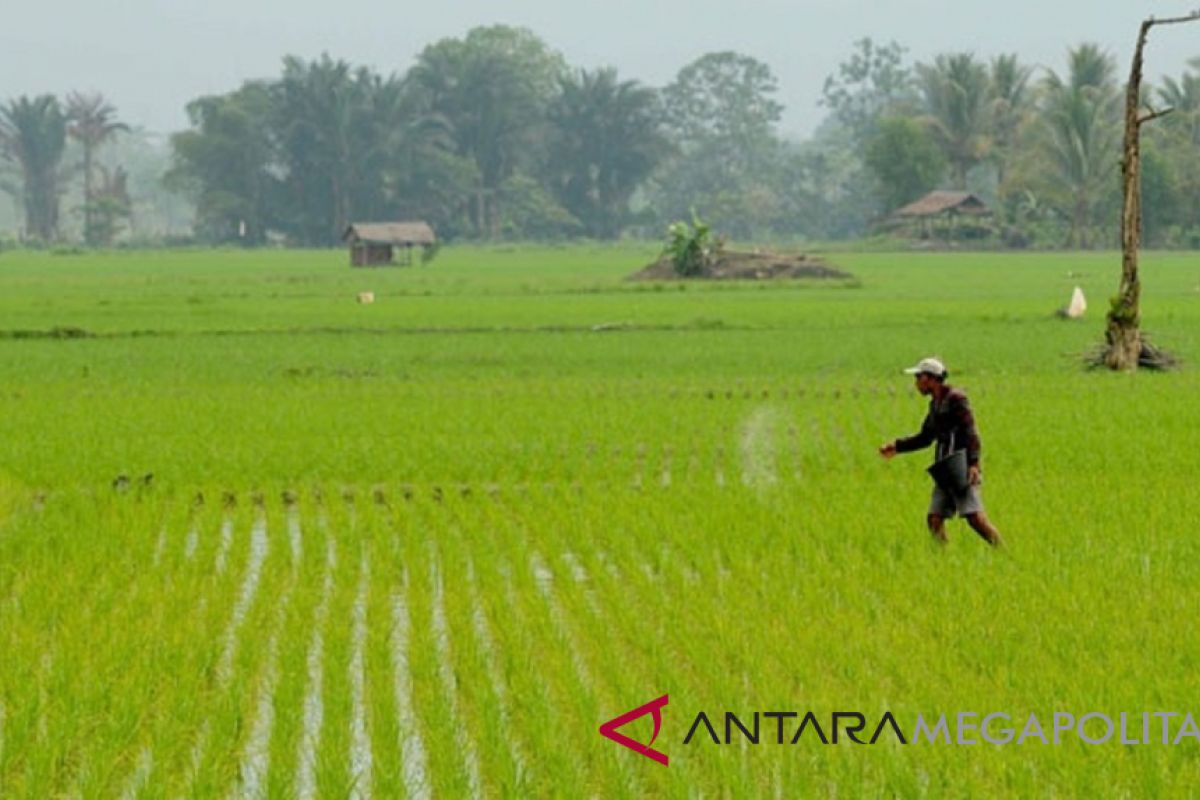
x=692 y=248
x=428 y=254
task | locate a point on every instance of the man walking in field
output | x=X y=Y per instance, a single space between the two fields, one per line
x=951 y=425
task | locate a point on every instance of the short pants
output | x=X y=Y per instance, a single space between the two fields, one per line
x=946 y=505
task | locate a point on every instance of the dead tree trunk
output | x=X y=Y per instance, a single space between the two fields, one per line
x=1125 y=348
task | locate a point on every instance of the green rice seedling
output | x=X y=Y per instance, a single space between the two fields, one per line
x=524 y=496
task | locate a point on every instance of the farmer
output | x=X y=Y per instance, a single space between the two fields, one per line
x=951 y=425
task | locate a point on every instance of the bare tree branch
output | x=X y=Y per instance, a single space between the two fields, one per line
x=1152 y=114
x=1174 y=20
x=1124 y=346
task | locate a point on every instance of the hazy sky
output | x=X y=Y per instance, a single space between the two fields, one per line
x=152 y=56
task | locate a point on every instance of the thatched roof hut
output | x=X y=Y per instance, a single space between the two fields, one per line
x=374 y=243
x=943 y=214
x=943 y=203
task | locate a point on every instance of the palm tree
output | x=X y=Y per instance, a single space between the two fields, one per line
x=605 y=141
x=91 y=122
x=492 y=88
x=1009 y=108
x=426 y=179
x=315 y=106
x=33 y=137
x=1081 y=118
x=340 y=132
x=1178 y=137
x=110 y=204
x=1184 y=97
x=955 y=90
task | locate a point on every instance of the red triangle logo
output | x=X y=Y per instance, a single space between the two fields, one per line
x=609 y=729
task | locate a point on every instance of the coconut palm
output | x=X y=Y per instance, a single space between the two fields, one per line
x=1177 y=138
x=1081 y=117
x=955 y=89
x=91 y=121
x=33 y=138
x=1009 y=109
x=1184 y=97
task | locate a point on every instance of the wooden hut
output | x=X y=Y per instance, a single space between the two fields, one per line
x=940 y=210
x=373 y=244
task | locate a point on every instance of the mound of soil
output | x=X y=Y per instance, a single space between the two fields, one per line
x=735 y=266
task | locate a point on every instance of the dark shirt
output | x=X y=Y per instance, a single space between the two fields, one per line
x=949 y=421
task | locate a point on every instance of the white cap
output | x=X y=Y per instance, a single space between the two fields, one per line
x=928 y=366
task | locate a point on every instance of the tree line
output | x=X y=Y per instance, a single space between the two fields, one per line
x=494 y=135
x=1044 y=148
x=33 y=141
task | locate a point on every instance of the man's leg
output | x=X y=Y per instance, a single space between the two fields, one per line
x=984 y=527
x=937 y=526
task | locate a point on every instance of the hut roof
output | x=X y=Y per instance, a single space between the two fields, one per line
x=942 y=202
x=397 y=233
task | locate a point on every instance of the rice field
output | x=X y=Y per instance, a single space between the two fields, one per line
x=258 y=540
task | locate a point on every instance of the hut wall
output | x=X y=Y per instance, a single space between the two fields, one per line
x=364 y=254
x=379 y=254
